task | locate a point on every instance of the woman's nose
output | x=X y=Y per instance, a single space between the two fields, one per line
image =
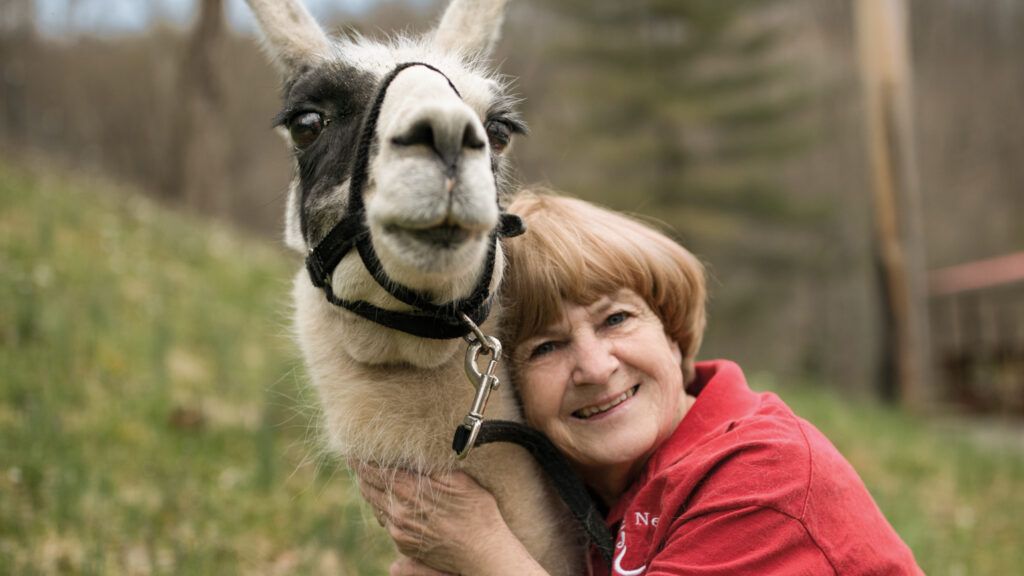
x=595 y=361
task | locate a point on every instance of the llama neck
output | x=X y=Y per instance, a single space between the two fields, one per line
x=327 y=331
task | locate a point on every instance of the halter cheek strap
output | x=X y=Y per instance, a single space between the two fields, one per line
x=430 y=320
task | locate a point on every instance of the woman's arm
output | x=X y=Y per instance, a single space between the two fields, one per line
x=449 y=522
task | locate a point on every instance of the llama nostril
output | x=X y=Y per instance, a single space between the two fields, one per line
x=421 y=133
x=436 y=137
x=471 y=138
x=448 y=133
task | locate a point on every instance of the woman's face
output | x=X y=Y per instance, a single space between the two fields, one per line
x=605 y=385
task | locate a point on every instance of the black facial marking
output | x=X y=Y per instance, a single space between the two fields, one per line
x=340 y=95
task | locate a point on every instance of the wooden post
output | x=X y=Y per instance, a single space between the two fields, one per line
x=899 y=247
x=199 y=147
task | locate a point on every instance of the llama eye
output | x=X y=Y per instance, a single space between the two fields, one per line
x=305 y=128
x=499 y=134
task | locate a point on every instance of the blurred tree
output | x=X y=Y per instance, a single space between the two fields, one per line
x=197 y=167
x=17 y=37
x=899 y=246
x=688 y=111
x=685 y=103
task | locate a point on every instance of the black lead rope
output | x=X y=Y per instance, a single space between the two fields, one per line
x=439 y=322
x=567 y=483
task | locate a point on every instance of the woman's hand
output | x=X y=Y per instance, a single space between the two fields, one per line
x=449 y=520
x=406 y=566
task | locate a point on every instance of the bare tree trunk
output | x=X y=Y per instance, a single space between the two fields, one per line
x=17 y=37
x=197 y=170
x=899 y=247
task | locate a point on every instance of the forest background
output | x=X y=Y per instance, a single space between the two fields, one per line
x=739 y=124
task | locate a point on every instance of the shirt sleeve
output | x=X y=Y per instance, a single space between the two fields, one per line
x=743 y=541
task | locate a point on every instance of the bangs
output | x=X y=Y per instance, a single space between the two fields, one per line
x=548 y=266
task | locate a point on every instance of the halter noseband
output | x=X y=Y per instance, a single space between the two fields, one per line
x=435 y=321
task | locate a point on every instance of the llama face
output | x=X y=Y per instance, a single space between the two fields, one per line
x=435 y=167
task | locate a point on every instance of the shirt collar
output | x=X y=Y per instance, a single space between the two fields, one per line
x=723 y=396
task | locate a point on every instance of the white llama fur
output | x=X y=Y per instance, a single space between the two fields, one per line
x=389 y=397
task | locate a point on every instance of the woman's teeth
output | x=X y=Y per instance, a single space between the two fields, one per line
x=594 y=410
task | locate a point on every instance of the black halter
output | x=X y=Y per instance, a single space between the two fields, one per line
x=436 y=321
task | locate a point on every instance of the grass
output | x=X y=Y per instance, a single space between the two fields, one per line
x=154 y=418
x=153 y=413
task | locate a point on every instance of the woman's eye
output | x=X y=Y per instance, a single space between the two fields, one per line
x=616 y=319
x=542 y=349
x=499 y=134
x=305 y=128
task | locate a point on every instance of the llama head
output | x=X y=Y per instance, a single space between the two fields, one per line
x=434 y=170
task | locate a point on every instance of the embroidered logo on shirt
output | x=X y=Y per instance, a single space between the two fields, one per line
x=617 y=566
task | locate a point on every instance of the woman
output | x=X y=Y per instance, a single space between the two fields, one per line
x=699 y=474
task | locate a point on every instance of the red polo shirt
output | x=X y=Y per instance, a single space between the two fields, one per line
x=743 y=486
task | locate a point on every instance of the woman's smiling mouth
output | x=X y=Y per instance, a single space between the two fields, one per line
x=590 y=411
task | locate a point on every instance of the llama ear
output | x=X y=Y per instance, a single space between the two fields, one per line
x=471 y=26
x=291 y=35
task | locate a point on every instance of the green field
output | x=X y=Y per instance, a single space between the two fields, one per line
x=154 y=417
x=153 y=412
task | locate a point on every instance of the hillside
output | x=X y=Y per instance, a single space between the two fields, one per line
x=154 y=418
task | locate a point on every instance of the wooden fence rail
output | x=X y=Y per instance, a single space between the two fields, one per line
x=977 y=313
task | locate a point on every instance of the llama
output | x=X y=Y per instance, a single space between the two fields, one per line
x=409 y=138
